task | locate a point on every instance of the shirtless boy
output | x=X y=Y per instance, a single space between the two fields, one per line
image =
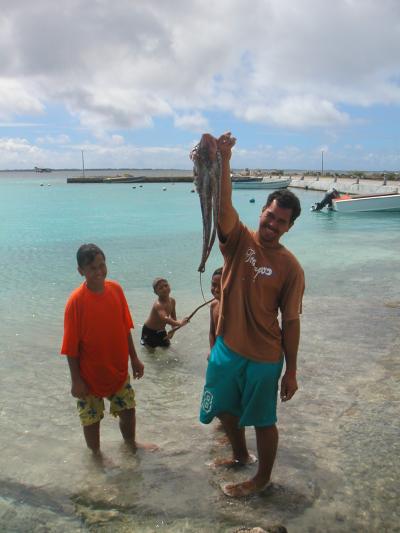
x=162 y=313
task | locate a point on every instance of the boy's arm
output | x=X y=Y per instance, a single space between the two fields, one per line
x=167 y=319
x=290 y=341
x=173 y=311
x=227 y=213
x=136 y=363
x=79 y=389
x=173 y=315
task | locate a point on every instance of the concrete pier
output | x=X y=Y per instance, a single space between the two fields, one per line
x=131 y=179
x=345 y=185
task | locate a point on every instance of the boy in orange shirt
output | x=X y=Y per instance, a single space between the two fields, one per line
x=97 y=342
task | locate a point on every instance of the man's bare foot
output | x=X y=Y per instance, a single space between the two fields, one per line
x=241 y=490
x=232 y=463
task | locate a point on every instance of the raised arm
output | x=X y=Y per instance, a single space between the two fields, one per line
x=227 y=213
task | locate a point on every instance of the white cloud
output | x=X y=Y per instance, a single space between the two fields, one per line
x=117 y=139
x=192 y=122
x=20 y=153
x=121 y=65
x=296 y=112
x=50 y=139
x=279 y=65
x=17 y=99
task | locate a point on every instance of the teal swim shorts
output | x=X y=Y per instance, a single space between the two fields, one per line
x=239 y=386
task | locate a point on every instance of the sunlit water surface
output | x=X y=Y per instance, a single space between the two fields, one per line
x=337 y=467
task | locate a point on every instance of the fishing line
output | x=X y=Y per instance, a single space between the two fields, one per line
x=201 y=288
x=190 y=316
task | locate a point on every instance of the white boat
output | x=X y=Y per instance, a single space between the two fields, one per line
x=367 y=202
x=260 y=183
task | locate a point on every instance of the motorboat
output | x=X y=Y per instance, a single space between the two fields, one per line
x=259 y=182
x=367 y=202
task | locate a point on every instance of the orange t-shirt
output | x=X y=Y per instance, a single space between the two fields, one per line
x=96 y=329
x=258 y=281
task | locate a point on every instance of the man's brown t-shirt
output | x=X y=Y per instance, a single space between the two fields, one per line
x=258 y=281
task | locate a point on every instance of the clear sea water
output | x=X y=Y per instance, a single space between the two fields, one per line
x=338 y=466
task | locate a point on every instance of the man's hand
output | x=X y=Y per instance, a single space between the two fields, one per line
x=288 y=387
x=225 y=144
x=79 y=389
x=137 y=367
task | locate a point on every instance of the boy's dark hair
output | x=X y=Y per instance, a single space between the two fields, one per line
x=86 y=254
x=217 y=272
x=156 y=281
x=287 y=200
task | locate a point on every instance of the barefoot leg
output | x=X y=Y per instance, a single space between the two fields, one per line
x=236 y=436
x=92 y=436
x=267 y=445
x=127 y=425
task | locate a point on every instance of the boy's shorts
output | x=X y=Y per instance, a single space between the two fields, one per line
x=91 y=409
x=239 y=386
x=153 y=338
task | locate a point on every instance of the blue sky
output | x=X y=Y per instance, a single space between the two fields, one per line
x=134 y=84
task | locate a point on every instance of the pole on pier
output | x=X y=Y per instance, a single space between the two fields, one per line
x=83 y=164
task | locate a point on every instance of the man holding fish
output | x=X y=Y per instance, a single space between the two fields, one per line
x=260 y=278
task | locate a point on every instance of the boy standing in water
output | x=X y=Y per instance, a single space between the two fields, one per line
x=214 y=307
x=97 y=342
x=162 y=313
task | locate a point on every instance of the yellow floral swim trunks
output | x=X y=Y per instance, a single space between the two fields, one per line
x=91 y=409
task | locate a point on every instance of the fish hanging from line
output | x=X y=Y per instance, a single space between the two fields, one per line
x=207 y=179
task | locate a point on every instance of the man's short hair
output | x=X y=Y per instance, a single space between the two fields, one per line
x=217 y=272
x=287 y=200
x=87 y=253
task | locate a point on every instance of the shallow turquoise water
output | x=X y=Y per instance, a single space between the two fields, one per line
x=336 y=468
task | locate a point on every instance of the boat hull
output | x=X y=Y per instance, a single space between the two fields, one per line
x=384 y=202
x=265 y=183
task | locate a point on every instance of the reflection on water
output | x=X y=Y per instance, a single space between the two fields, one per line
x=337 y=467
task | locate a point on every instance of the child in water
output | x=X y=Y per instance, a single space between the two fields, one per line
x=98 y=345
x=162 y=313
